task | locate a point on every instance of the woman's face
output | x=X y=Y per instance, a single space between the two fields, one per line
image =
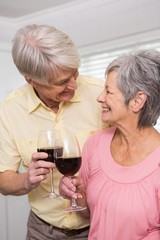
x=114 y=111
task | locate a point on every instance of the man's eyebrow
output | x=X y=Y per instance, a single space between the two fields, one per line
x=66 y=78
x=60 y=81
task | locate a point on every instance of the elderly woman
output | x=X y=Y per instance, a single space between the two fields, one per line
x=120 y=174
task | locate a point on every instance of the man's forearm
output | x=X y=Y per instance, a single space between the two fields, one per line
x=12 y=183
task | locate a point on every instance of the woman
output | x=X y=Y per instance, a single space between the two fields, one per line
x=120 y=173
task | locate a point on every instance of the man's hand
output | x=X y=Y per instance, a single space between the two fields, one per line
x=38 y=170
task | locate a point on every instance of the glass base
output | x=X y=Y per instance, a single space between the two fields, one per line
x=75 y=209
x=52 y=196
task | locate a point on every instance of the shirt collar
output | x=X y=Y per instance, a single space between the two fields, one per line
x=34 y=102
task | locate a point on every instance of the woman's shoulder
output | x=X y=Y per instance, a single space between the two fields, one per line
x=105 y=133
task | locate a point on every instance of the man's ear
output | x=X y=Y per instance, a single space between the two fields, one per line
x=138 y=101
x=28 y=80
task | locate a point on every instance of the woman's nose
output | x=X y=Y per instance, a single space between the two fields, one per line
x=101 y=97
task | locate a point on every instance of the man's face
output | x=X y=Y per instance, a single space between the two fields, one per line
x=61 y=90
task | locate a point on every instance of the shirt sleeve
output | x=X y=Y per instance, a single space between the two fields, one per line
x=9 y=156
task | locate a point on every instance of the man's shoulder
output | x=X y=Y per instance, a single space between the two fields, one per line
x=90 y=81
x=16 y=93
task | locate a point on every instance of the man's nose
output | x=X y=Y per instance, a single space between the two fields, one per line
x=72 y=84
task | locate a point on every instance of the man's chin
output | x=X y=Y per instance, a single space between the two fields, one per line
x=66 y=97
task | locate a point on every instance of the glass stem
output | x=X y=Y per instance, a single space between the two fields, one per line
x=52 y=186
x=73 y=202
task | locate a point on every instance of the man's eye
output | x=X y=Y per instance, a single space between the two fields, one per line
x=63 y=83
x=76 y=74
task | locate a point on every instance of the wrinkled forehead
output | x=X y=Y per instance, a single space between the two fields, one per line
x=60 y=74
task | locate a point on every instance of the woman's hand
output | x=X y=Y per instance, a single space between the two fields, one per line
x=71 y=187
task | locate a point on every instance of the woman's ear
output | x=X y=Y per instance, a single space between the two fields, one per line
x=138 y=101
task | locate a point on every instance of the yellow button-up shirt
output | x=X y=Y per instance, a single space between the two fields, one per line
x=23 y=115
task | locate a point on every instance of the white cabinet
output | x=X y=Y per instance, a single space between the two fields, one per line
x=3 y=221
x=13 y=217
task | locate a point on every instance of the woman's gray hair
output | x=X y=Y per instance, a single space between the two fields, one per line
x=140 y=71
x=40 y=52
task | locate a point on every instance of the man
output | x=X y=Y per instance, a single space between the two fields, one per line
x=54 y=97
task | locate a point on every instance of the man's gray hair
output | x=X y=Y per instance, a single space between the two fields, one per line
x=40 y=52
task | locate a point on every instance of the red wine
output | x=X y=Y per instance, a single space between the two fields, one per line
x=52 y=153
x=68 y=166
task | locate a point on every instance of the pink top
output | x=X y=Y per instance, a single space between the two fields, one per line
x=124 y=201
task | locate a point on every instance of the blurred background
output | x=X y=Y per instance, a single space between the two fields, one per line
x=101 y=29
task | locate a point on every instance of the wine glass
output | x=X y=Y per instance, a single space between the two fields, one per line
x=48 y=141
x=69 y=164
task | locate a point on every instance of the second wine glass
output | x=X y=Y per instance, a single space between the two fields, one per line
x=48 y=141
x=69 y=164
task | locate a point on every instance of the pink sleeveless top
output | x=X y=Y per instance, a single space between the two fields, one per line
x=124 y=202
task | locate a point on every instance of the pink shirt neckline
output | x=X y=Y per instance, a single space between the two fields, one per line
x=127 y=174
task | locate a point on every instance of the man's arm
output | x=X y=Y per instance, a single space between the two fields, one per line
x=14 y=183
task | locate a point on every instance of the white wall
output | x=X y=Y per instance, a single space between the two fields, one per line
x=13 y=217
x=94 y=25
x=94 y=21
x=9 y=75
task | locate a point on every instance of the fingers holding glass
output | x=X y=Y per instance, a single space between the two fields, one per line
x=69 y=164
